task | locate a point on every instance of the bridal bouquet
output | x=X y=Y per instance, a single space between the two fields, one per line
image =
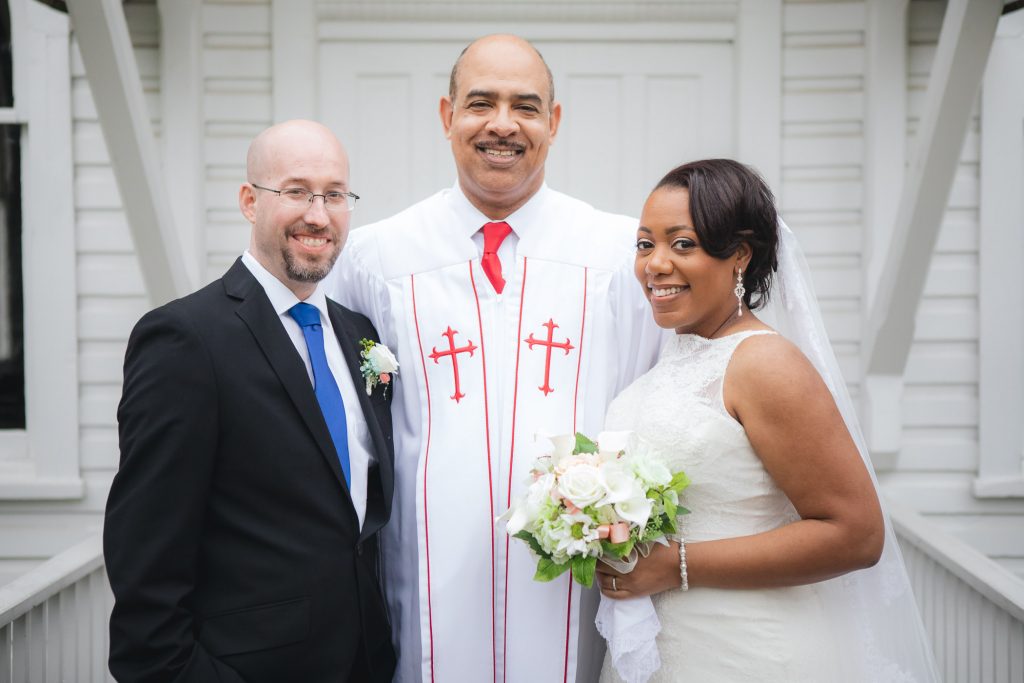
x=588 y=500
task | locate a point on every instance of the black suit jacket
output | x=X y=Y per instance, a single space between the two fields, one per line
x=231 y=542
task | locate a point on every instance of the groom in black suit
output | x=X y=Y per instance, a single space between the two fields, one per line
x=241 y=528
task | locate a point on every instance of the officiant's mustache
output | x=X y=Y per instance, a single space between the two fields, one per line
x=502 y=143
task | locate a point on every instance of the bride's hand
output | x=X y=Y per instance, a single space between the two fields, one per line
x=655 y=573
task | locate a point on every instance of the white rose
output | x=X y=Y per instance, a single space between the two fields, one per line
x=382 y=360
x=636 y=510
x=652 y=471
x=618 y=481
x=582 y=484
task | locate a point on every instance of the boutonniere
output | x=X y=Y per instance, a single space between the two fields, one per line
x=379 y=365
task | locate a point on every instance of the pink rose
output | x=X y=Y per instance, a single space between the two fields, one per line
x=385 y=378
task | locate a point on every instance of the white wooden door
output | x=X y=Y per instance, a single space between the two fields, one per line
x=632 y=109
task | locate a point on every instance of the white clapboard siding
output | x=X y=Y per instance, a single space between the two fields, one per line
x=237 y=104
x=822 y=191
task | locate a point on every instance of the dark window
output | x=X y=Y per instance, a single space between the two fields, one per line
x=12 y=339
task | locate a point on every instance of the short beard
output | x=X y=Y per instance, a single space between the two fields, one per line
x=312 y=273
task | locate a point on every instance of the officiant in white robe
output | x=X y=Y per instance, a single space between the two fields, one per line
x=513 y=311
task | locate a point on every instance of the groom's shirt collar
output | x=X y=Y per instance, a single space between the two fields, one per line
x=282 y=298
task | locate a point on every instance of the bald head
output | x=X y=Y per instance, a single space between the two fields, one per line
x=499 y=41
x=283 y=145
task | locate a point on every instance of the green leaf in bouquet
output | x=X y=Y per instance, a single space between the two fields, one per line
x=669 y=525
x=534 y=544
x=670 y=507
x=680 y=510
x=584 y=445
x=583 y=569
x=617 y=549
x=679 y=481
x=548 y=569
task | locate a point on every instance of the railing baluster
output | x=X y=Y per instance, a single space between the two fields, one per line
x=1002 y=643
x=83 y=628
x=1016 y=637
x=5 y=653
x=19 y=649
x=987 y=645
x=37 y=643
x=100 y=618
x=972 y=632
x=52 y=642
x=65 y=659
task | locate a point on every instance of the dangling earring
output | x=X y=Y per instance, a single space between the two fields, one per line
x=739 y=291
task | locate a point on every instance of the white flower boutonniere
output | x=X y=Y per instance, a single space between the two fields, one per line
x=379 y=365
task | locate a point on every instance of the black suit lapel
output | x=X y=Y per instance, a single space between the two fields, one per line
x=258 y=314
x=376 y=514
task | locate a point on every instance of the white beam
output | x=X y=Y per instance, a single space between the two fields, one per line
x=113 y=75
x=885 y=134
x=1001 y=314
x=964 y=43
x=181 y=90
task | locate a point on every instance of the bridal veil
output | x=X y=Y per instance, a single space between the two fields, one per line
x=874 y=609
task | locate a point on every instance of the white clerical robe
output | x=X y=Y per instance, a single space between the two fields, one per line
x=481 y=374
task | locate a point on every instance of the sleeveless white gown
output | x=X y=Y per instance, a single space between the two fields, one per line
x=778 y=635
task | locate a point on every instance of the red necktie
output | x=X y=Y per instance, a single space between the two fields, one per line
x=494 y=233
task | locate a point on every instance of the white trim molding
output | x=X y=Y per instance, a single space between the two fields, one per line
x=658 y=11
x=181 y=124
x=41 y=462
x=293 y=23
x=758 y=88
x=1001 y=310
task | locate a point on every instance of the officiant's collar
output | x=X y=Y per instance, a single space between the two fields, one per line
x=522 y=221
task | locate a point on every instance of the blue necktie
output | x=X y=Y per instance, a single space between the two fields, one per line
x=326 y=389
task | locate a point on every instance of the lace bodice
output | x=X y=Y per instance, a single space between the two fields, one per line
x=677 y=409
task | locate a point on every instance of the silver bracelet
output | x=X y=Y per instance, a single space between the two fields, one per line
x=684 y=584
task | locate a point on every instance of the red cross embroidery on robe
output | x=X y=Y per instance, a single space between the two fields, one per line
x=550 y=344
x=453 y=352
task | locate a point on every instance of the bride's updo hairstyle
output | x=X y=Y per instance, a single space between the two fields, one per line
x=730 y=204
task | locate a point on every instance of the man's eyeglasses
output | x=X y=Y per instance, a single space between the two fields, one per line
x=300 y=197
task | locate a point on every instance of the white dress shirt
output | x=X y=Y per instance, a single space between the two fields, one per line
x=359 y=448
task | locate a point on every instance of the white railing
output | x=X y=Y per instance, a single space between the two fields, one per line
x=972 y=608
x=53 y=620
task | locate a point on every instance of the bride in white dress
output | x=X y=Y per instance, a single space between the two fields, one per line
x=782 y=499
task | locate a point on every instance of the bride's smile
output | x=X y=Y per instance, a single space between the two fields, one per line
x=689 y=290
